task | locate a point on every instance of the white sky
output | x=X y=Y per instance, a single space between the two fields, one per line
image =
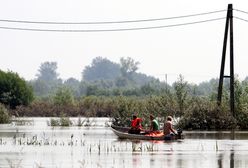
x=193 y=50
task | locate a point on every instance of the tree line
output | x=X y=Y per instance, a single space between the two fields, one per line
x=106 y=78
x=116 y=90
x=102 y=77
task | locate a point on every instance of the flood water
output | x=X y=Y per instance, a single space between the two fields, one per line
x=30 y=142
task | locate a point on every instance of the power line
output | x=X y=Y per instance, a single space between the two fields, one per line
x=111 y=22
x=109 y=30
x=241 y=11
x=240 y=19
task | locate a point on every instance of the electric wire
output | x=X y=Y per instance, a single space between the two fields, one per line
x=112 y=22
x=240 y=18
x=241 y=11
x=109 y=30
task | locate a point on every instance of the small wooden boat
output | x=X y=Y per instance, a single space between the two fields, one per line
x=122 y=133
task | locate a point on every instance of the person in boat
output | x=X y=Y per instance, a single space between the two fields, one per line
x=169 y=131
x=136 y=126
x=154 y=126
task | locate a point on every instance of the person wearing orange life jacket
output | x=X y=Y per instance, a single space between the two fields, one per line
x=135 y=125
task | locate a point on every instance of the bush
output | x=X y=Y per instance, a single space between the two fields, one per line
x=54 y=122
x=63 y=96
x=62 y=121
x=242 y=119
x=41 y=108
x=4 y=115
x=207 y=116
x=14 y=90
x=65 y=121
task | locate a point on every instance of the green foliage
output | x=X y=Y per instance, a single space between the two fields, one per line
x=181 y=92
x=238 y=90
x=14 y=91
x=101 y=68
x=128 y=66
x=47 y=72
x=200 y=113
x=140 y=79
x=241 y=103
x=208 y=87
x=40 y=87
x=92 y=90
x=62 y=121
x=65 y=121
x=46 y=108
x=121 y=82
x=124 y=109
x=103 y=77
x=118 y=91
x=204 y=115
x=242 y=119
x=47 y=80
x=54 y=122
x=147 y=89
x=4 y=115
x=74 y=85
x=63 y=96
x=97 y=106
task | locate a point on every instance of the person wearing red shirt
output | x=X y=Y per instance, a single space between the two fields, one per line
x=136 y=126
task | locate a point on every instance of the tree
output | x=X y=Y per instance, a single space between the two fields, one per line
x=181 y=92
x=208 y=87
x=63 y=96
x=47 y=80
x=47 y=72
x=121 y=82
x=74 y=85
x=147 y=89
x=14 y=90
x=246 y=78
x=128 y=66
x=40 y=87
x=141 y=79
x=92 y=90
x=101 y=69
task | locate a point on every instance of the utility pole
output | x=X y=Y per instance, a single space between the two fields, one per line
x=229 y=21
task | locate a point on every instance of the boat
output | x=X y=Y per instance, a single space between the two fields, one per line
x=122 y=133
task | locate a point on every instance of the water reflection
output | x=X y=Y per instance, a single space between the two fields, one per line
x=232 y=135
x=136 y=160
x=232 y=159
x=220 y=161
x=229 y=161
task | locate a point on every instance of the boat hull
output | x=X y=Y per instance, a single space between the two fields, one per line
x=122 y=133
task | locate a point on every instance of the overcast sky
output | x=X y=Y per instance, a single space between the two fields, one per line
x=192 y=50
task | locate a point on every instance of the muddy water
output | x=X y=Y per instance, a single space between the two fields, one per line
x=30 y=142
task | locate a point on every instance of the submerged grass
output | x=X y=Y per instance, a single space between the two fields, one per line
x=66 y=122
x=12 y=164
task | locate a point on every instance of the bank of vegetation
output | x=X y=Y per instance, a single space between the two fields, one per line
x=115 y=90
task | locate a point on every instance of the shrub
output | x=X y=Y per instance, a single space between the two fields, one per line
x=62 y=121
x=14 y=90
x=206 y=116
x=65 y=121
x=4 y=116
x=63 y=96
x=242 y=119
x=54 y=122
